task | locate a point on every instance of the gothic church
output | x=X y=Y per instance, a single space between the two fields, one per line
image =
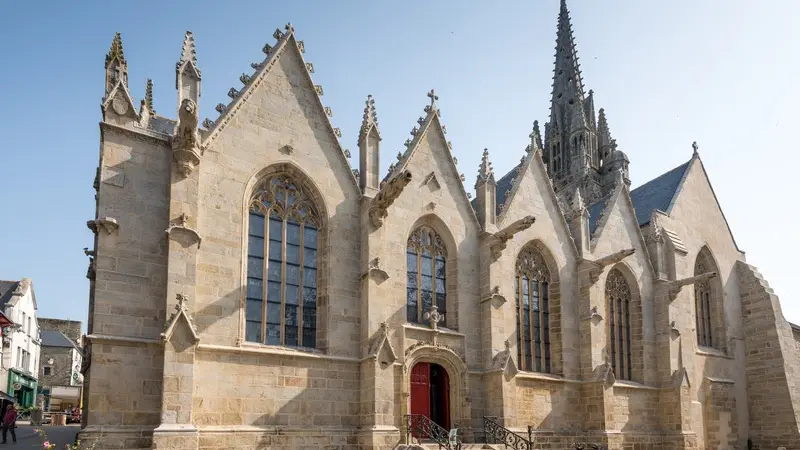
x=249 y=289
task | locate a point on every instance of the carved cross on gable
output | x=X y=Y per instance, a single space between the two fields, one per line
x=695 y=146
x=432 y=95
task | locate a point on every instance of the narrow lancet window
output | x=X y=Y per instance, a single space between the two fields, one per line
x=532 y=291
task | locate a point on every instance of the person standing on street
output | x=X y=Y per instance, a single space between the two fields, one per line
x=10 y=422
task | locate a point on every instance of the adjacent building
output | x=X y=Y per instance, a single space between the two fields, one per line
x=298 y=302
x=21 y=342
x=60 y=378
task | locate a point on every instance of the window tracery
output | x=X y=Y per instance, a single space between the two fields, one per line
x=531 y=286
x=426 y=259
x=281 y=299
x=703 y=304
x=618 y=297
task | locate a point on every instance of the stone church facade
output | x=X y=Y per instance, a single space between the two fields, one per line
x=250 y=289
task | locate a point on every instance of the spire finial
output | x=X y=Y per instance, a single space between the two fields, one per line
x=188 y=51
x=603 y=131
x=148 y=97
x=370 y=119
x=115 y=52
x=694 y=148
x=485 y=171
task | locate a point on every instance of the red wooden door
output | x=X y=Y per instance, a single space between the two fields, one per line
x=445 y=398
x=421 y=389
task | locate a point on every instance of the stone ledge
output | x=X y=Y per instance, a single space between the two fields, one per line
x=632 y=385
x=122 y=339
x=275 y=351
x=544 y=377
x=712 y=352
x=440 y=330
x=273 y=429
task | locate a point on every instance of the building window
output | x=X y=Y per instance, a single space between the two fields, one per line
x=618 y=296
x=705 y=304
x=426 y=259
x=531 y=287
x=281 y=302
x=48 y=370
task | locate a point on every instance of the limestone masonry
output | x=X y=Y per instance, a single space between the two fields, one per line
x=249 y=289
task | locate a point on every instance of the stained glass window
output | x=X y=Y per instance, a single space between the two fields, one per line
x=618 y=297
x=533 y=312
x=426 y=259
x=281 y=300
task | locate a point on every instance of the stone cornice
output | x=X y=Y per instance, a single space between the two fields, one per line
x=142 y=134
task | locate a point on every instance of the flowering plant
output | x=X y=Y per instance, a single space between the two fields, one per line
x=47 y=445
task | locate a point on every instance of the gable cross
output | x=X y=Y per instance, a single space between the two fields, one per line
x=695 y=146
x=432 y=95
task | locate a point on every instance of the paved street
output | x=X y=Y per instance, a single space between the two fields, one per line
x=27 y=438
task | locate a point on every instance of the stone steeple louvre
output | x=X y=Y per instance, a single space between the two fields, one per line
x=116 y=65
x=370 y=120
x=485 y=171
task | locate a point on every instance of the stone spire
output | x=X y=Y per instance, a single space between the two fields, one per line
x=369 y=138
x=485 y=171
x=187 y=75
x=603 y=132
x=116 y=65
x=570 y=150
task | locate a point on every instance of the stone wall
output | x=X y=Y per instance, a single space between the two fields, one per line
x=771 y=365
x=60 y=369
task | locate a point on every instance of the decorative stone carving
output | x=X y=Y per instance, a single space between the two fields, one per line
x=594 y=315
x=375 y=272
x=181 y=224
x=328 y=111
x=186 y=142
x=107 y=224
x=437 y=345
x=310 y=67
x=494 y=295
x=267 y=49
x=286 y=149
x=278 y=34
x=181 y=310
x=674 y=287
x=318 y=88
x=233 y=93
x=302 y=46
x=433 y=317
x=597 y=266
x=208 y=123
x=504 y=362
x=220 y=108
x=503 y=236
x=387 y=195
x=674 y=330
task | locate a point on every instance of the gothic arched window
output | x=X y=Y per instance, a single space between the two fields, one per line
x=426 y=258
x=533 y=311
x=281 y=304
x=703 y=304
x=618 y=297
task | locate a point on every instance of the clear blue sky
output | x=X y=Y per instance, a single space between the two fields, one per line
x=722 y=73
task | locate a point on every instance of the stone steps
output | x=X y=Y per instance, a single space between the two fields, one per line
x=436 y=447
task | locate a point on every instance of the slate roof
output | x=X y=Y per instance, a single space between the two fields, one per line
x=595 y=210
x=657 y=193
x=162 y=125
x=503 y=184
x=6 y=290
x=56 y=339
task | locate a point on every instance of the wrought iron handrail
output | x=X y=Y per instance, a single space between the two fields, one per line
x=492 y=428
x=419 y=425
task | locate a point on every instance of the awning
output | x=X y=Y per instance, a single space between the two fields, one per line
x=6 y=397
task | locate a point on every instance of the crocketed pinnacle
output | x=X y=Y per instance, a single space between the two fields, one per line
x=577 y=201
x=369 y=121
x=536 y=137
x=603 y=132
x=115 y=52
x=148 y=97
x=485 y=171
x=188 y=51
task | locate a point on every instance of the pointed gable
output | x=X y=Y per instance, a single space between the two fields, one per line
x=658 y=193
x=429 y=137
x=281 y=62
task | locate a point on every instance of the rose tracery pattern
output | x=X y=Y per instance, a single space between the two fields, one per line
x=703 y=301
x=618 y=296
x=426 y=257
x=531 y=286
x=281 y=305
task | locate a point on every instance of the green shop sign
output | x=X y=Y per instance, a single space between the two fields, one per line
x=21 y=380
